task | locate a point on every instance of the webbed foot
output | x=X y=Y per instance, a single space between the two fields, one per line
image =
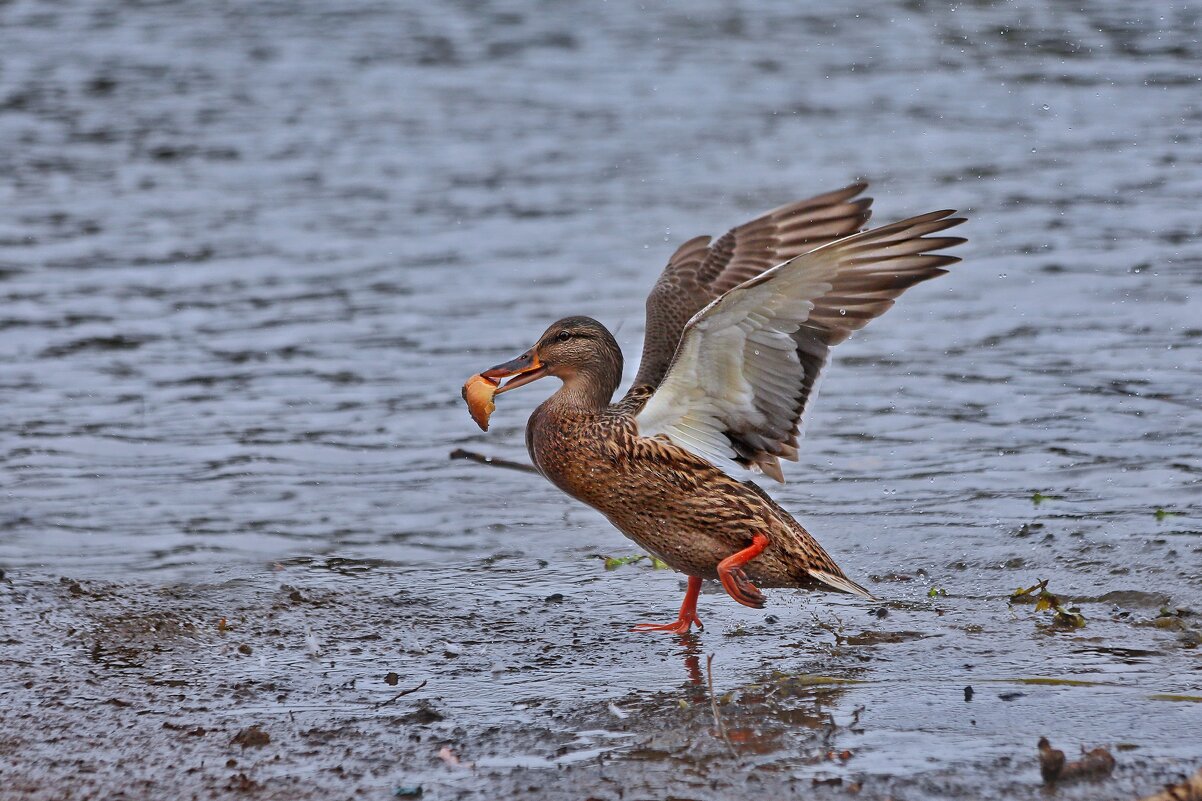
x=735 y=581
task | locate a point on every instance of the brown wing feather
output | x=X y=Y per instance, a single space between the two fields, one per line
x=699 y=272
x=843 y=285
x=745 y=252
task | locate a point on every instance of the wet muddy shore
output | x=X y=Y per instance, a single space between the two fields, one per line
x=341 y=679
x=250 y=252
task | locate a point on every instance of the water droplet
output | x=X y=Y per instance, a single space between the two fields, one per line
x=842 y=311
x=1046 y=107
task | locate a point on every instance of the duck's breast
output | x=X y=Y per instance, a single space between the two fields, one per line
x=582 y=453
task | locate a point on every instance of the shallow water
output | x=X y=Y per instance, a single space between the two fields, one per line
x=249 y=254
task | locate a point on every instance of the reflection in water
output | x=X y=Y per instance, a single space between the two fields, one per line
x=691 y=650
x=775 y=712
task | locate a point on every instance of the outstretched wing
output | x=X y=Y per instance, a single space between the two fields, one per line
x=745 y=369
x=699 y=272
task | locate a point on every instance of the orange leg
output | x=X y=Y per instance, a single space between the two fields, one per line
x=687 y=616
x=735 y=581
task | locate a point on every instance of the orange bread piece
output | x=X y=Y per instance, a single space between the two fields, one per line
x=478 y=392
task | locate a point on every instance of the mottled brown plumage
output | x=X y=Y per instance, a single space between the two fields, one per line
x=677 y=506
x=747 y=336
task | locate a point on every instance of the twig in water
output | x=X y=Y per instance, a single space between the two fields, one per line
x=828 y=731
x=401 y=694
x=472 y=456
x=837 y=633
x=709 y=671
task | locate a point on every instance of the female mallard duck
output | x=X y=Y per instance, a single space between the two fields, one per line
x=737 y=332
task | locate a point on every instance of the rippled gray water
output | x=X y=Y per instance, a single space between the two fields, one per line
x=248 y=254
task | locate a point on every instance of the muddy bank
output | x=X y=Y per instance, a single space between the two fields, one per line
x=323 y=680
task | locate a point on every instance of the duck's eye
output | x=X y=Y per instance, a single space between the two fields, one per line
x=563 y=336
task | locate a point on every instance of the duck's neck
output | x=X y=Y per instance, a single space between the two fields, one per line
x=590 y=387
x=588 y=390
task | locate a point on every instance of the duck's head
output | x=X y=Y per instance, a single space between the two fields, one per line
x=578 y=350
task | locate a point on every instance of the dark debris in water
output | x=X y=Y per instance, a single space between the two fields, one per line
x=884 y=637
x=251 y=737
x=1054 y=767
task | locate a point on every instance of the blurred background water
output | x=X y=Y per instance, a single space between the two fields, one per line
x=248 y=252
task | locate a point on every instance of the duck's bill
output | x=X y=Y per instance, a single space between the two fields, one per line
x=520 y=371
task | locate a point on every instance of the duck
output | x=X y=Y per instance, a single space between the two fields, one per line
x=738 y=330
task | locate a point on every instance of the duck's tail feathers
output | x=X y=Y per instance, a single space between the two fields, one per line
x=841 y=583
